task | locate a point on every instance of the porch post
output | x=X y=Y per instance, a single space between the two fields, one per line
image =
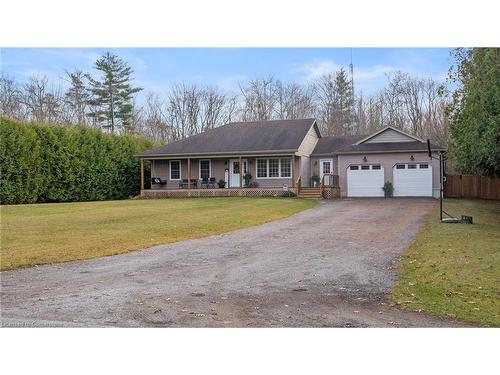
x=142 y=175
x=241 y=173
x=294 y=173
x=189 y=173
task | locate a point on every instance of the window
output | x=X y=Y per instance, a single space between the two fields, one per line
x=365 y=167
x=175 y=170
x=261 y=168
x=205 y=169
x=400 y=166
x=326 y=167
x=353 y=167
x=286 y=168
x=412 y=166
x=236 y=167
x=375 y=166
x=274 y=168
x=424 y=166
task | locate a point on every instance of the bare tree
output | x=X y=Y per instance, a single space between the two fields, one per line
x=77 y=97
x=10 y=99
x=184 y=110
x=293 y=101
x=259 y=98
x=43 y=103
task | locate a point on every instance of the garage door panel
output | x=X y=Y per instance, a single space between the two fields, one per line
x=365 y=182
x=412 y=182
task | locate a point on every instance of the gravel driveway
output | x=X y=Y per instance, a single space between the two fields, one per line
x=330 y=266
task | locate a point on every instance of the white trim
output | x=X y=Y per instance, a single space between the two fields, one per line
x=170 y=171
x=385 y=129
x=267 y=168
x=209 y=167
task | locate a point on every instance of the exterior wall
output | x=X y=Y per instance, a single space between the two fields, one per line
x=387 y=161
x=309 y=143
x=315 y=160
x=390 y=136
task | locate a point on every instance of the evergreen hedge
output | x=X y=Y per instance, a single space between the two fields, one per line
x=45 y=163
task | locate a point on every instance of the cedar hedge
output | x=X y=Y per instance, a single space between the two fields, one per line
x=46 y=163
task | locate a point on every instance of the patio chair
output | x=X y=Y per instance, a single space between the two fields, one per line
x=183 y=183
x=194 y=183
x=204 y=182
x=211 y=182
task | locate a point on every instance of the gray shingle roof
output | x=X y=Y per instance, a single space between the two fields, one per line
x=279 y=135
x=329 y=145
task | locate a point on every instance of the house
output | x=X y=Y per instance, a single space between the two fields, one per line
x=285 y=155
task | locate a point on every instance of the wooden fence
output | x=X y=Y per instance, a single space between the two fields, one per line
x=464 y=186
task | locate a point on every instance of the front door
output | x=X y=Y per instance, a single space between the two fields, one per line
x=234 y=172
x=325 y=166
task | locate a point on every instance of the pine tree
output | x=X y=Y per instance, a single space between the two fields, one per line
x=112 y=96
x=474 y=113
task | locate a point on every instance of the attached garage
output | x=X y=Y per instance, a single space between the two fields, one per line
x=412 y=180
x=365 y=180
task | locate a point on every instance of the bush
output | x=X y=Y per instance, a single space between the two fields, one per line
x=221 y=183
x=288 y=194
x=45 y=163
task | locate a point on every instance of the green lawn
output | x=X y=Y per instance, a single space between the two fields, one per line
x=453 y=270
x=57 y=232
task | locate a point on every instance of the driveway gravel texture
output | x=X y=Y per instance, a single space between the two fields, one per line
x=329 y=266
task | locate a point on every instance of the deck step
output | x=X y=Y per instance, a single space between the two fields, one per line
x=310 y=193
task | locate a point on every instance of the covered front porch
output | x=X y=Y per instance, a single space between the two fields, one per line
x=219 y=175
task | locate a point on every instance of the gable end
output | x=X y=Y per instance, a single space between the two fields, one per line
x=389 y=135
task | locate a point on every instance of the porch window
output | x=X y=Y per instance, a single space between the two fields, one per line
x=175 y=170
x=204 y=169
x=261 y=168
x=274 y=167
x=286 y=168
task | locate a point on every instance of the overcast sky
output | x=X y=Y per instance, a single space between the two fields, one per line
x=157 y=68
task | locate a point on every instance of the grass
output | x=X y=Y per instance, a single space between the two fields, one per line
x=453 y=270
x=58 y=232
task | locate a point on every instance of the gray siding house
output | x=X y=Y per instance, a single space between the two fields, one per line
x=286 y=154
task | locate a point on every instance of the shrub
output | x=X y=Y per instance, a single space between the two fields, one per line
x=45 y=163
x=221 y=183
x=288 y=194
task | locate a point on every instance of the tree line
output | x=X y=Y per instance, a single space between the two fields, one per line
x=107 y=99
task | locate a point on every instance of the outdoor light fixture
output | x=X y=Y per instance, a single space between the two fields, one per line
x=225 y=162
x=412 y=158
x=315 y=162
x=365 y=159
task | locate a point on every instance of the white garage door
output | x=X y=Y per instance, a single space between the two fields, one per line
x=365 y=180
x=412 y=180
